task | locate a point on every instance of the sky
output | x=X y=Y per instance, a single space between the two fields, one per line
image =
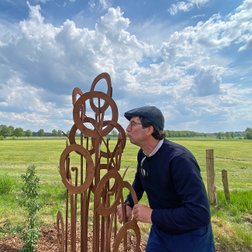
x=192 y=59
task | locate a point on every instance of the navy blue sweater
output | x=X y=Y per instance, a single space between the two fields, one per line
x=174 y=187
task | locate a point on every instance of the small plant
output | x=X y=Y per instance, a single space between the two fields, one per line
x=29 y=200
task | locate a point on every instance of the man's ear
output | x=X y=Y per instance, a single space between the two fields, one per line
x=149 y=130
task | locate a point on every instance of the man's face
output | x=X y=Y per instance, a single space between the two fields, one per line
x=135 y=131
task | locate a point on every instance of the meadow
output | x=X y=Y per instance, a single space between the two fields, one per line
x=232 y=222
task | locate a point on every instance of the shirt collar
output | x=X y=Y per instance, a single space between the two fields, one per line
x=158 y=146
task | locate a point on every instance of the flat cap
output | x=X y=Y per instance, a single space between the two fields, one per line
x=151 y=113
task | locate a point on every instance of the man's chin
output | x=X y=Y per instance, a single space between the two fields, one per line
x=132 y=141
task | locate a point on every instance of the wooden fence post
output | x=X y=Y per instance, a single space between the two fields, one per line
x=225 y=184
x=210 y=177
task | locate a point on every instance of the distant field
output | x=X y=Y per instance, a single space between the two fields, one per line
x=233 y=155
x=231 y=222
x=15 y=155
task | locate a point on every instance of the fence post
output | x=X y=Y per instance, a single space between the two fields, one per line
x=210 y=177
x=225 y=184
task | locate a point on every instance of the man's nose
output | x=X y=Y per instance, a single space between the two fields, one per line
x=128 y=128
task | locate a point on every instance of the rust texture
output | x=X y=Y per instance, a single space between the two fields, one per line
x=89 y=168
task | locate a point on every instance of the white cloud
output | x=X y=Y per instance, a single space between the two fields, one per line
x=186 y=6
x=23 y=104
x=15 y=95
x=246 y=46
x=201 y=44
x=182 y=72
x=61 y=58
x=91 y=4
x=104 y=4
x=41 y=1
x=206 y=82
x=68 y=54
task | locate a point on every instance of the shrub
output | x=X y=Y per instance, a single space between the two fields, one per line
x=29 y=200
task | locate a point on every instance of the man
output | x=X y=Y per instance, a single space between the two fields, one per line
x=169 y=174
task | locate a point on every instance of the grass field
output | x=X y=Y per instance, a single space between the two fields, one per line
x=231 y=222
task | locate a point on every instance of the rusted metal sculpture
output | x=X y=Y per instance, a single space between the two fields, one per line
x=88 y=166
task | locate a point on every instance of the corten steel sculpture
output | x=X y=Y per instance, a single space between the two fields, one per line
x=87 y=169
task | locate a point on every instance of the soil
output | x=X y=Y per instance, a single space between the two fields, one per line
x=47 y=242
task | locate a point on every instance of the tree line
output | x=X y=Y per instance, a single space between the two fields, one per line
x=10 y=131
x=247 y=134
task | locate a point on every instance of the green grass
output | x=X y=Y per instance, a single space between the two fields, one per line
x=231 y=155
x=232 y=222
x=7 y=184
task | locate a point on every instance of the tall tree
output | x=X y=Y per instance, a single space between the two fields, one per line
x=18 y=132
x=54 y=132
x=248 y=133
x=28 y=133
x=41 y=132
x=5 y=131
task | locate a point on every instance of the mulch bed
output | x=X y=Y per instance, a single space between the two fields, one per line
x=47 y=242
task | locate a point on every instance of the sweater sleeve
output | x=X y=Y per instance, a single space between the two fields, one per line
x=193 y=211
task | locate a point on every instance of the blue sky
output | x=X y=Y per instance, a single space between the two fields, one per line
x=191 y=58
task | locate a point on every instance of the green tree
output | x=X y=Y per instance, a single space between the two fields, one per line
x=41 y=132
x=54 y=132
x=220 y=135
x=28 y=133
x=18 y=132
x=11 y=130
x=248 y=133
x=227 y=135
x=5 y=131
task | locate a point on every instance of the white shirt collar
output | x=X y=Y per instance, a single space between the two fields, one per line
x=158 y=146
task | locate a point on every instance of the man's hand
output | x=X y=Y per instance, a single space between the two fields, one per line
x=120 y=213
x=142 y=213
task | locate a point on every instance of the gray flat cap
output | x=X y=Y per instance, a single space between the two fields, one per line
x=151 y=113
